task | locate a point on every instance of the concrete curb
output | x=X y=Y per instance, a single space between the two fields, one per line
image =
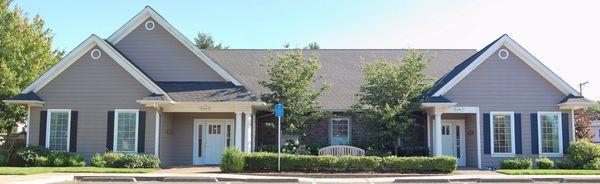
x=182 y=179
x=189 y=179
x=106 y=178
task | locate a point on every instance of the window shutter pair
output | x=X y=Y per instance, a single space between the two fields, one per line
x=73 y=130
x=534 y=133
x=487 y=134
x=111 y=130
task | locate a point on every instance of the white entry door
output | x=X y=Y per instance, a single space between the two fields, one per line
x=453 y=140
x=211 y=137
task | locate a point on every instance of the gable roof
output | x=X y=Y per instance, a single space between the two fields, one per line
x=339 y=67
x=462 y=70
x=148 y=12
x=78 y=52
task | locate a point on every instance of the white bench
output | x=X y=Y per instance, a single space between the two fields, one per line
x=340 y=150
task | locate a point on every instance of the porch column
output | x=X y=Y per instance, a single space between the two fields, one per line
x=253 y=131
x=438 y=134
x=248 y=132
x=238 y=130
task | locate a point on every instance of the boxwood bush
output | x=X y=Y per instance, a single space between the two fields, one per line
x=593 y=165
x=564 y=164
x=232 y=160
x=443 y=164
x=582 y=152
x=516 y=163
x=262 y=161
x=120 y=160
x=544 y=163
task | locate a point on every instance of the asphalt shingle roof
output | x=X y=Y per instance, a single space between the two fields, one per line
x=339 y=67
x=205 y=92
x=31 y=96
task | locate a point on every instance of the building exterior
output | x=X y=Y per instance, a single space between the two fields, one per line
x=148 y=89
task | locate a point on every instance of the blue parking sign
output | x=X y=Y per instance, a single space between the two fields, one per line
x=279 y=110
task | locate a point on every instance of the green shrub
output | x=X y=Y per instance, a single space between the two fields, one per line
x=130 y=161
x=41 y=161
x=111 y=159
x=98 y=161
x=544 y=163
x=413 y=151
x=150 y=161
x=564 y=164
x=593 y=165
x=443 y=164
x=582 y=152
x=232 y=160
x=26 y=156
x=516 y=163
x=351 y=163
x=63 y=159
x=2 y=160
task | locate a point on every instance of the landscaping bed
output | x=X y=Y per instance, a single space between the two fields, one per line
x=38 y=170
x=548 y=172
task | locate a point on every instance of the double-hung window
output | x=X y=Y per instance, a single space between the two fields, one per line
x=58 y=128
x=549 y=133
x=340 y=131
x=126 y=130
x=503 y=133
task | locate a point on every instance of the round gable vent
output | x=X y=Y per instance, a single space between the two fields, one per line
x=149 y=25
x=95 y=54
x=503 y=54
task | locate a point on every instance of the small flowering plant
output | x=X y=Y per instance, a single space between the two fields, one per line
x=290 y=146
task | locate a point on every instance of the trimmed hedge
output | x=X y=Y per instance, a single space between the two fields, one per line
x=120 y=160
x=262 y=161
x=443 y=164
x=516 y=163
x=232 y=160
x=544 y=163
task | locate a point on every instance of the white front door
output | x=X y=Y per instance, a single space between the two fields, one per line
x=453 y=140
x=211 y=137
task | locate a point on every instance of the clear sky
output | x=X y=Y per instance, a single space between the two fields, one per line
x=564 y=35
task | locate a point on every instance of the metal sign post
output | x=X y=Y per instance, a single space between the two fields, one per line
x=278 y=114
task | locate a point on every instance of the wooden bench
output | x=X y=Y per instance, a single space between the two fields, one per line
x=341 y=150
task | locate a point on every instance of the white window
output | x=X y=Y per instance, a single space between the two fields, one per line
x=126 y=130
x=340 y=131
x=58 y=128
x=503 y=133
x=550 y=133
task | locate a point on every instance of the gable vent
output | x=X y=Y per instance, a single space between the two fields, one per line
x=149 y=25
x=95 y=54
x=503 y=54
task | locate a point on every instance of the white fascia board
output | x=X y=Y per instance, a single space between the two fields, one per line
x=150 y=13
x=78 y=52
x=529 y=59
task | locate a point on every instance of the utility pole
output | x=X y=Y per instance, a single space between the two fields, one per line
x=581 y=87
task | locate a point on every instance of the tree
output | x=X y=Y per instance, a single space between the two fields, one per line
x=391 y=94
x=25 y=52
x=583 y=118
x=292 y=83
x=312 y=46
x=205 y=41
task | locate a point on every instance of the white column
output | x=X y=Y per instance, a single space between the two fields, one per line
x=572 y=124
x=253 y=131
x=238 y=130
x=156 y=132
x=438 y=134
x=248 y=132
x=428 y=131
x=27 y=124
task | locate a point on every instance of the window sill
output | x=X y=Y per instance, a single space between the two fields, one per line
x=551 y=155
x=500 y=155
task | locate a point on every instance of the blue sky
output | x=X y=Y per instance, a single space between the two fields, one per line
x=562 y=34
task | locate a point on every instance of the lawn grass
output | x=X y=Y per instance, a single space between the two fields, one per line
x=38 y=170
x=548 y=172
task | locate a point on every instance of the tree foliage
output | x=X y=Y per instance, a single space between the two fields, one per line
x=206 y=41
x=25 y=52
x=391 y=94
x=583 y=118
x=313 y=46
x=292 y=79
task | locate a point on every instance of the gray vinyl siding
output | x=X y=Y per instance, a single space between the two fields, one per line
x=93 y=87
x=177 y=148
x=506 y=85
x=163 y=57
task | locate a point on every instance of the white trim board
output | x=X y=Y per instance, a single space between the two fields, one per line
x=148 y=12
x=529 y=59
x=80 y=51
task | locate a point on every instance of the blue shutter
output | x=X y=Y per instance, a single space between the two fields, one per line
x=518 y=143
x=42 y=138
x=73 y=136
x=534 y=133
x=565 y=131
x=110 y=129
x=141 y=132
x=486 y=134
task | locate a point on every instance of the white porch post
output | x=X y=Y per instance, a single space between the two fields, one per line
x=27 y=124
x=572 y=124
x=248 y=132
x=253 y=131
x=428 y=132
x=238 y=130
x=438 y=134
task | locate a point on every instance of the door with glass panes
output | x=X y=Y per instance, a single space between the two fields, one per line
x=211 y=137
x=453 y=140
